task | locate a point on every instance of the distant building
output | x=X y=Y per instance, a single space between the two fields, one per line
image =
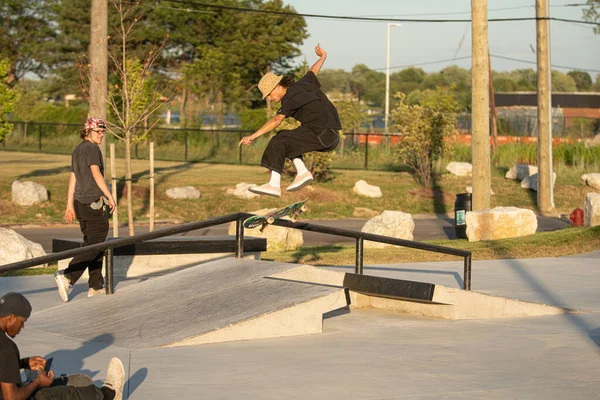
x=573 y=114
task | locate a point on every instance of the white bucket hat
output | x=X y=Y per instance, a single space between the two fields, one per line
x=268 y=82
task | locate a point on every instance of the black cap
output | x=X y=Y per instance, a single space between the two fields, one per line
x=14 y=303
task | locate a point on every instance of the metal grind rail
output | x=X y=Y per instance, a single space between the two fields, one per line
x=108 y=246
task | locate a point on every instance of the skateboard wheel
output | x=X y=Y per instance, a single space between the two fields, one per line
x=294 y=219
x=270 y=220
x=304 y=208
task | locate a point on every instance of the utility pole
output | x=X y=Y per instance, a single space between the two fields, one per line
x=545 y=193
x=493 y=110
x=387 y=78
x=99 y=62
x=480 y=114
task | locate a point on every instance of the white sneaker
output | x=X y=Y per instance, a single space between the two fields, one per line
x=300 y=181
x=115 y=377
x=266 y=189
x=64 y=286
x=95 y=292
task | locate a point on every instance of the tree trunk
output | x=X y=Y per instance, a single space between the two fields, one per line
x=128 y=183
x=220 y=115
x=183 y=120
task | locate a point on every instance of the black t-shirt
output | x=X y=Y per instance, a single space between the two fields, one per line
x=305 y=102
x=84 y=155
x=10 y=363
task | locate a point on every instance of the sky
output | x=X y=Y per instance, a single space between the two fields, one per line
x=355 y=42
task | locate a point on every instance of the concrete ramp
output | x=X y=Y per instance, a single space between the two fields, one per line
x=224 y=300
x=419 y=298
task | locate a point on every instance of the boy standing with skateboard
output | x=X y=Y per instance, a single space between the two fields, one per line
x=86 y=197
x=304 y=101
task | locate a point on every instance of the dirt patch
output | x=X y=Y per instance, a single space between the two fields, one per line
x=138 y=191
x=429 y=193
x=6 y=207
x=362 y=212
x=314 y=194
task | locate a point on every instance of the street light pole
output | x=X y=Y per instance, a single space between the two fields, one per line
x=387 y=78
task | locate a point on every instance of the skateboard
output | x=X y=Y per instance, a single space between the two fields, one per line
x=293 y=211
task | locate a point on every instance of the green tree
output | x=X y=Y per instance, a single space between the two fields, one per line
x=8 y=98
x=562 y=82
x=27 y=37
x=582 y=79
x=72 y=19
x=407 y=80
x=592 y=14
x=425 y=128
x=454 y=76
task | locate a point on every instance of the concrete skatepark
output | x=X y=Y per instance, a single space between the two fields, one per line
x=361 y=353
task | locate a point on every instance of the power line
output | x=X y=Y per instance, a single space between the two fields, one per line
x=447 y=13
x=418 y=64
x=366 y=19
x=553 y=65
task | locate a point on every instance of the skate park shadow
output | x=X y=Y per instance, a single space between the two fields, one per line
x=547 y=295
x=72 y=361
x=595 y=336
x=309 y=255
x=135 y=381
x=45 y=172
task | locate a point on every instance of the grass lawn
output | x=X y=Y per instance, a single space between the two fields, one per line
x=328 y=200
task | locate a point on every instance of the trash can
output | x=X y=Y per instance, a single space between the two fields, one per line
x=462 y=204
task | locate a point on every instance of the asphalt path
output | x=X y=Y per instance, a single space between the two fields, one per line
x=426 y=228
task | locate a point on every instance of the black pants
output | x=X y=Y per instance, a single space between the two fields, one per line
x=72 y=387
x=292 y=144
x=94 y=226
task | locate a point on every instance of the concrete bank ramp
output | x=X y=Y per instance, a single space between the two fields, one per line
x=224 y=300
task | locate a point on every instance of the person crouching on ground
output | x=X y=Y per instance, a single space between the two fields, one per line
x=304 y=101
x=15 y=309
x=86 y=199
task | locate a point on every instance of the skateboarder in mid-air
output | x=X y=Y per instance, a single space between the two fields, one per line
x=304 y=101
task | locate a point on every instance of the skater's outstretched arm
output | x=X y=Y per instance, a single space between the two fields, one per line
x=267 y=127
x=322 y=56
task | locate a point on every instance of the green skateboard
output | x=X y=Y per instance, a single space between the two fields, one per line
x=293 y=211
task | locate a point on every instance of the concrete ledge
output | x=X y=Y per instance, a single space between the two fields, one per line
x=165 y=255
x=420 y=298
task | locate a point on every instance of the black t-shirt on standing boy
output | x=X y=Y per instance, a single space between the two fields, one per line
x=84 y=155
x=10 y=362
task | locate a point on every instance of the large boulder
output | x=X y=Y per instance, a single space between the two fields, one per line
x=595 y=141
x=390 y=223
x=521 y=171
x=460 y=168
x=592 y=180
x=241 y=191
x=531 y=182
x=186 y=192
x=279 y=238
x=28 y=193
x=364 y=189
x=14 y=248
x=500 y=223
x=591 y=210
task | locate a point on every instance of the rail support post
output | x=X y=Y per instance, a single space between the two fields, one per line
x=109 y=285
x=239 y=238
x=359 y=256
x=467 y=273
